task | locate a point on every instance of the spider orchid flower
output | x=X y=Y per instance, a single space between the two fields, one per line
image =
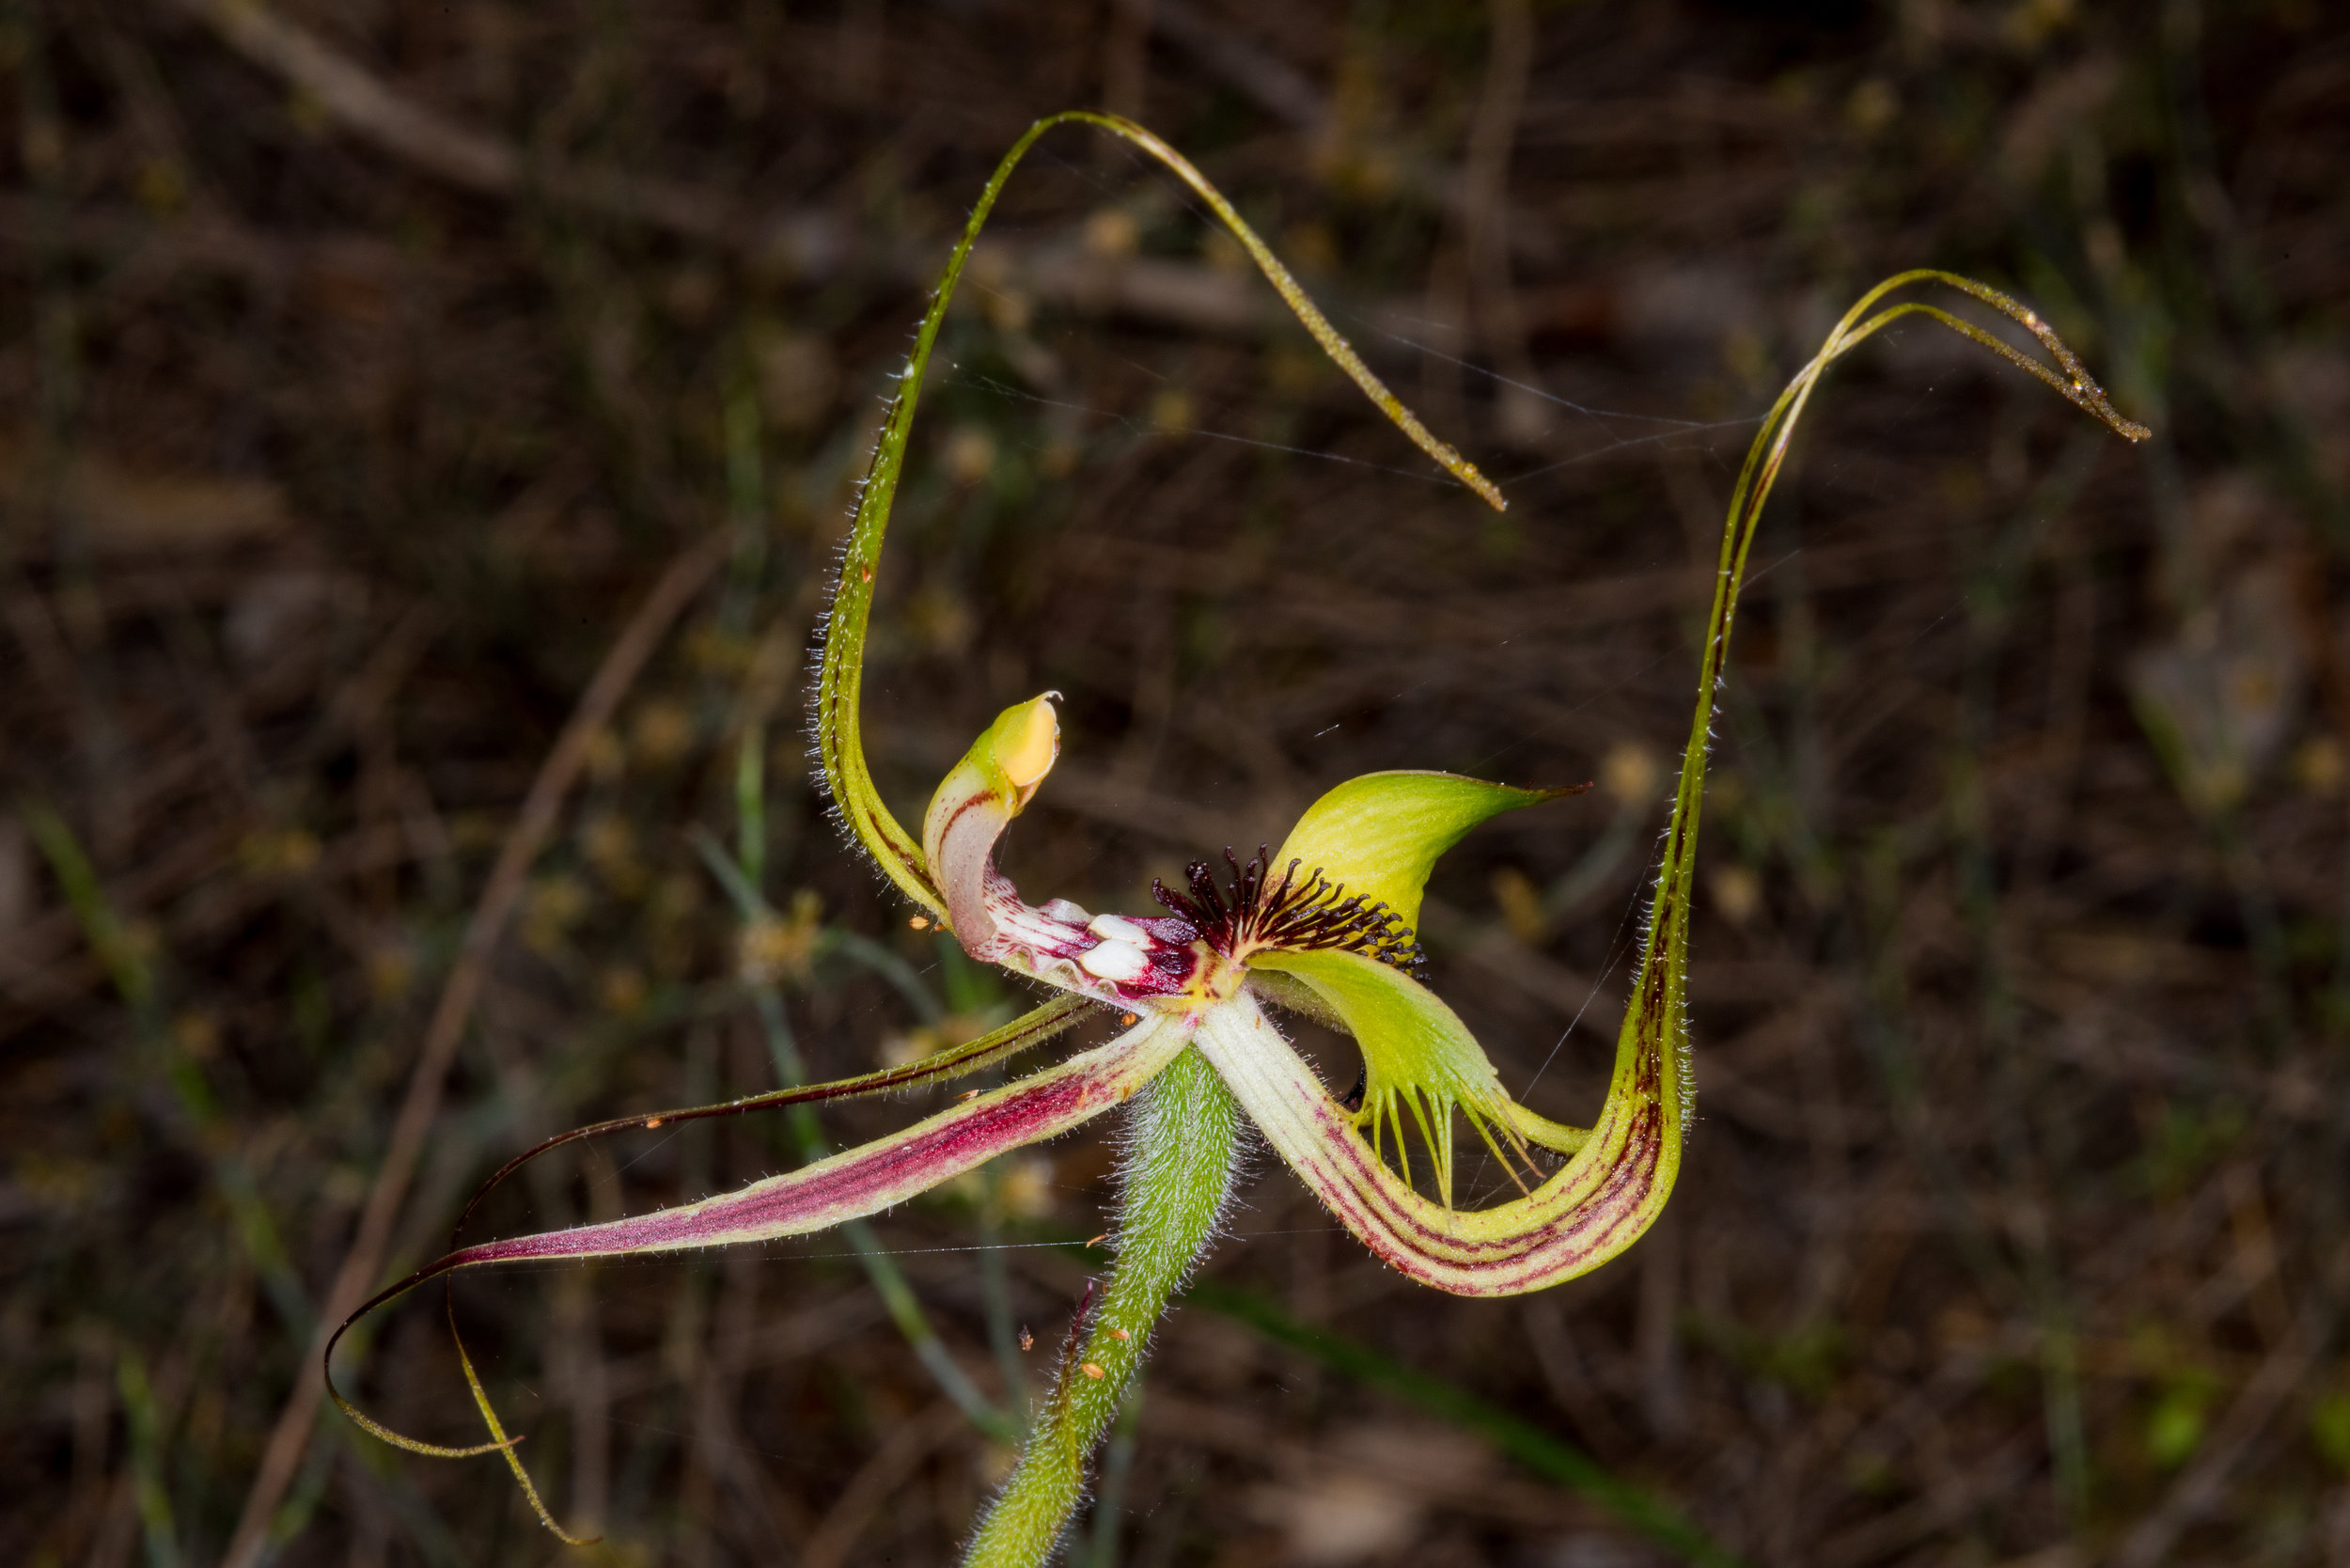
x=1325 y=926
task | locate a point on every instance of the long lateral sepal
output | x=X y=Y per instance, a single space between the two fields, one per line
x=1592 y=1209
x=1029 y=1029
x=876 y=1175
x=848 y=1186
x=840 y=670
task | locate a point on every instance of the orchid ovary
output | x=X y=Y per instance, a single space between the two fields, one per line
x=1327 y=926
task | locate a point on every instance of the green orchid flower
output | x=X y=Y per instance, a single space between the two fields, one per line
x=1327 y=926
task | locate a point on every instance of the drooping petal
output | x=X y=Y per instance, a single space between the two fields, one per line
x=1378 y=835
x=1592 y=1209
x=849 y=1185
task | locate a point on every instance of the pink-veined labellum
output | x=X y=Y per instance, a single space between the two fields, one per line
x=1608 y=1191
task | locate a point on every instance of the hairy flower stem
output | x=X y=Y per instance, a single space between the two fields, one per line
x=1182 y=1146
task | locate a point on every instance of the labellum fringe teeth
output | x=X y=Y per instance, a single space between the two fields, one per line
x=1312 y=915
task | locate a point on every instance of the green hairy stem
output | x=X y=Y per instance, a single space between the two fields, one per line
x=1182 y=1146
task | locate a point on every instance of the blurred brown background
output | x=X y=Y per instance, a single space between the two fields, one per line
x=372 y=375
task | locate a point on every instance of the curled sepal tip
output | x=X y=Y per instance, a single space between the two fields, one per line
x=847 y=1185
x=369 y=1424
x=2069 y=376
x=836 y=713
x=505 y=1445
x=500 y=1442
